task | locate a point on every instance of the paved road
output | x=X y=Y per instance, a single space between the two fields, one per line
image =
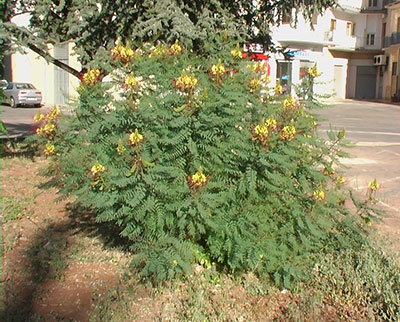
x=19 y=121
x=374 y=128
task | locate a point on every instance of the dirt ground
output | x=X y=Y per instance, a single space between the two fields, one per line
x=50 y=266
x=57 y=266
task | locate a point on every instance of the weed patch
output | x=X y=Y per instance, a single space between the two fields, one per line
x=15 y=207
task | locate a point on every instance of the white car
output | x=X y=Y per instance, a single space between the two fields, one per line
x=22 y=94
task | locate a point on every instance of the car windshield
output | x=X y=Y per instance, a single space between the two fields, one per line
x=24 y=86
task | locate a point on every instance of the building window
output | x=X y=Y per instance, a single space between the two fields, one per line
x=283 y=74
x=398 y=24
x=350 y=29
x=333 y=25
x=394 y=68
x=370 y=39
x=372 y=3
x=304 y=67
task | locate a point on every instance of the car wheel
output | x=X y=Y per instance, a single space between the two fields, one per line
x=12 y=102
x=38 y=105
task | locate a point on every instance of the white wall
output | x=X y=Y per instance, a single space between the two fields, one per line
x=30 y=67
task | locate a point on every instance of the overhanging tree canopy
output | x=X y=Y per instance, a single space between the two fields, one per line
x=95 y=25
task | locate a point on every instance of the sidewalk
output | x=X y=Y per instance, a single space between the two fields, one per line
x=353 y=100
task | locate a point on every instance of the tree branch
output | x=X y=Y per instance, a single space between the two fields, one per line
x=54 y=61
x=27 y=42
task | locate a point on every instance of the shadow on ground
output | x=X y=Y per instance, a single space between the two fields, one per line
x=42 y=258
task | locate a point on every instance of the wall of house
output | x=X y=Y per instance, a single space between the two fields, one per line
x=30 y=67
x=374 y=26
x=391 y=84
x=73 y=81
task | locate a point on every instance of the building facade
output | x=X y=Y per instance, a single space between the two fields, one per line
x=342 y=43
x=390 y=72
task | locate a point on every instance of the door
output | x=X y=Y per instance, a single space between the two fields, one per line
x=284 y=75
x=61 y=77
x=366 y=82
x=339 y=82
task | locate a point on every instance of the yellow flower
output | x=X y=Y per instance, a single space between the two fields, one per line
x=198 y=179
x=38 y=117
x=340 y=179
x=265 y=79
x=218 y=69
x=121 y=148
x=288 y=132
x=175 y=262
x=49 y=128
x=116 y=50
x=49 y=149
x=314 y=72
x=91 y=77
x=261 y=132
x=135 y=137
x=40 y=131
x=289 y=103
x=271 y=123
x=278 y=89
x=186 y=82
x=255 y=85
x=261 y=256
x=53 y=114
x=176 y=48
x=131 y=81
x=258 y=67
x=319 y=194
x=374 y=185
x=97 y=168
x=236 y=53
x=125 y=53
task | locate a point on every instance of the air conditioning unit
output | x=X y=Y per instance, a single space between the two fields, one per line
x=379 y=60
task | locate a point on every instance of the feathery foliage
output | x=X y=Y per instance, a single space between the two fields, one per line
x=199 y=158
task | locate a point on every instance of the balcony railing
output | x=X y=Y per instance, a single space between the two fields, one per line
x=392 y=40
x=328 y=36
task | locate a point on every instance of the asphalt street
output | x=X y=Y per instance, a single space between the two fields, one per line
x=374 y=129
x=18 y=121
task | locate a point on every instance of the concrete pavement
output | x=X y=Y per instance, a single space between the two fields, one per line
x=374 y=129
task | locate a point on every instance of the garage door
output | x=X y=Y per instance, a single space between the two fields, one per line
x=365 y=82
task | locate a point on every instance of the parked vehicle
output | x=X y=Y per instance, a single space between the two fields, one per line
x=22 y=94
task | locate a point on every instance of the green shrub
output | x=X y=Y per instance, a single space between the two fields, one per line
x=197 y=157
